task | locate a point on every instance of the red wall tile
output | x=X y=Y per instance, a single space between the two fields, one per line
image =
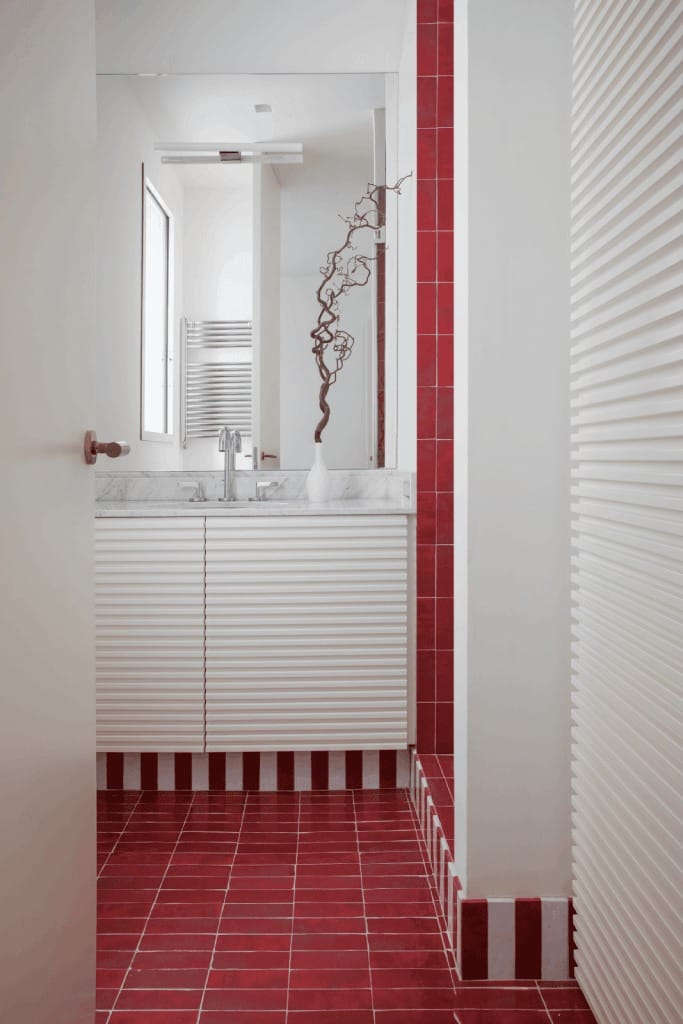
x=435 y=394
x=149 y=771
x=183 y=771
x=528 y=938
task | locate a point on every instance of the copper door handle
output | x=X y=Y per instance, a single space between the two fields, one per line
x=92 y=448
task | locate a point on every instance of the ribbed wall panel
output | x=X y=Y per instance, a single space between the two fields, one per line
x=150 y=634
x=627 y=484
x=306 y=633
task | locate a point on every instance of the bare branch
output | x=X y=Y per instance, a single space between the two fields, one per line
x=345 y=269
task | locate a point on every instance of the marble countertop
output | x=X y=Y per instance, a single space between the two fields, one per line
x=272 y=507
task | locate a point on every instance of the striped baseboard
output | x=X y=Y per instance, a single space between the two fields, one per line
x=494 y=939
x=502 y=939
x=440 y=856
x=254 y=770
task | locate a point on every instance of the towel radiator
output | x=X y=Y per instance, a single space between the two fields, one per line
x=217 y=377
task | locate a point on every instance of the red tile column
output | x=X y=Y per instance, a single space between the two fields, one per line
x=435 y=376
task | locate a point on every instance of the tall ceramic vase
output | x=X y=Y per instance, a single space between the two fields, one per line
x=318 y=482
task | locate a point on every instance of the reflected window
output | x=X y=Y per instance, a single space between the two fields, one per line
x=157 y=318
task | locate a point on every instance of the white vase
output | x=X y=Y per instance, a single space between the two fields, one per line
x=318 y=483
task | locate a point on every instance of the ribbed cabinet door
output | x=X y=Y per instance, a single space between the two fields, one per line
x=306 y=633
x=150 y=634
x=627 y=473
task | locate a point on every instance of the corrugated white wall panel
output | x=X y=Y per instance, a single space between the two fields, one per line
x=150 y=634
x=627 y=486
x=306 y=633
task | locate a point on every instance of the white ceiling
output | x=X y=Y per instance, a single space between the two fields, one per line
x=250 y=36
x=330 y=114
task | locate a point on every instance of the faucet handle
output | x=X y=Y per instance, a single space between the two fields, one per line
x=198 y=489
x=262 y=488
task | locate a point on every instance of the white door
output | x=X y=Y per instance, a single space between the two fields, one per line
x=47 y=732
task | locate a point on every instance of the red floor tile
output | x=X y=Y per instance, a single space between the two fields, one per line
x=285 y=908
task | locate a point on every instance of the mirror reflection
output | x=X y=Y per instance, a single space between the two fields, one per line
x=207 y=284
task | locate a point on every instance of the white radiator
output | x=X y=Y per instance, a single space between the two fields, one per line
x=306 y=633
x=627 y=485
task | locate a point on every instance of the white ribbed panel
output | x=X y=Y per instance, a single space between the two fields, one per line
x=306 y=633
x=150 y=634
x=627 y=470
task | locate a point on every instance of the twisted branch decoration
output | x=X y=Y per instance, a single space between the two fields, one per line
x=345 y=269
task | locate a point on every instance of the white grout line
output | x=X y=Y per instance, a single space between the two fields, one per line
x=365 y=914
x=151 y=909
x=222 y=910
x=125 y=826
x=291 y=938
x=545 y=1005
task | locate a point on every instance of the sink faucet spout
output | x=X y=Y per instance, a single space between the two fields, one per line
x=230 y=442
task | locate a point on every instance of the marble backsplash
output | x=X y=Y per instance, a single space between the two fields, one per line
x=388 y=484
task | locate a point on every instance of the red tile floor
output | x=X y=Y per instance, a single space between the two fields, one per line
x=283 y=908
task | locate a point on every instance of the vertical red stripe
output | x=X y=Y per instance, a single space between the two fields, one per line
x=217 y=762
x=354 y=769
x=149 y=774
x=570 y=936
x=251 y=769
x=183 y=771
x=528 y=938
x=474 y=952
x=387 y=769
x=114 y=771
x=285 y=770
x=434 y=189
x=319 y=769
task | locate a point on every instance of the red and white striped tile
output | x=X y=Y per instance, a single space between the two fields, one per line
x=494 y=939
x=255 y=770
x=524 y=938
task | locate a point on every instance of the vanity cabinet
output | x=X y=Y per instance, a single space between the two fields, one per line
x=149 y=584
x=306 y=632
x=261 y=632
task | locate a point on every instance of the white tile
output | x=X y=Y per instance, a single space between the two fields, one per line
x=337 y=769
x=453 y=917
x=233 y=771
x=200 y=771
x=402 y=769
x=302 y=769
x=554 y=939
x=166 y=772
x=434 y=844
x=501 y=938
x=131 y=771
x=268 y=776
x=443 y=871
x=371 y=769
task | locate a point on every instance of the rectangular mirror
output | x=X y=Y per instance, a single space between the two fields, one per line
x=248 y=179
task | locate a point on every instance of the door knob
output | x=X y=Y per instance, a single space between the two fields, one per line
x=92 y=448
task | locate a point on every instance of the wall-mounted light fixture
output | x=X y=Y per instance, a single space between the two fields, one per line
x=231 y=152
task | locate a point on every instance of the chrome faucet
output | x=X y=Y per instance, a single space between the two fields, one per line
x=230 y=442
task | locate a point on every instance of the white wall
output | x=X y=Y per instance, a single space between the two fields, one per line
x=218 y=251
x=217 y=275
x=310 y=228
x=200 y=36
x=405 y=366
x=512 y=495
x=124 y=141
x=47 y=718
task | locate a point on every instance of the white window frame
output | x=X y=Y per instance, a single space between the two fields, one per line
x=170 y=435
